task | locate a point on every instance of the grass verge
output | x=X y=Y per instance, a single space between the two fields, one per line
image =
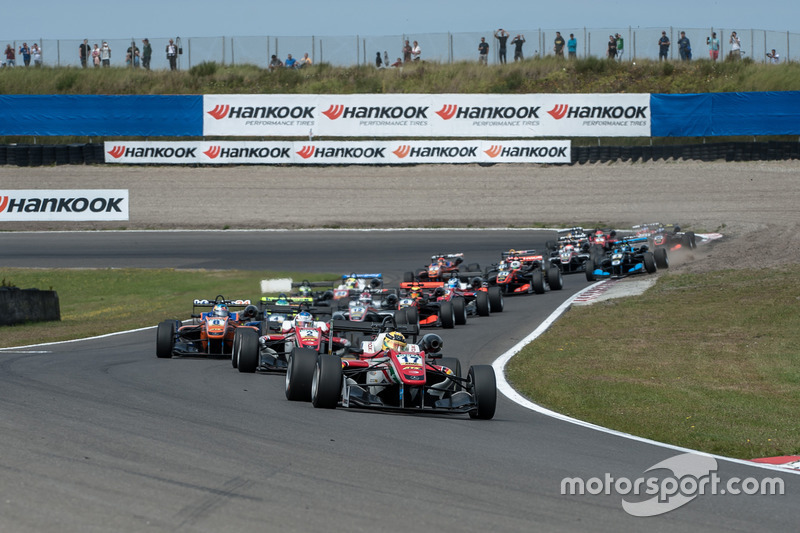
x=94 y=302
x=706 y=361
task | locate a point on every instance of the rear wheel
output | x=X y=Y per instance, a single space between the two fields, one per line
x=692 y=239
x=455 y=365
x=496 y=303
x=299 y=374
x=537 y=281
x=247 y=356
x=165 y=339
x=408 y=277
x=555 y=278
x=649 y=263
x=237 y=337
x=660 y=255
x=483 y=383
x=482 y=305
x=460 y=310
x=590 y=270
x=447 y=315
x=326 y=382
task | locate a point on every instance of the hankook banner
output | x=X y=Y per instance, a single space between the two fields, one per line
x=337 y=152
x=428 y=115
x=75 y=205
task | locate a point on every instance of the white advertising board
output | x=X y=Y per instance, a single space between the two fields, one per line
x=63 y=204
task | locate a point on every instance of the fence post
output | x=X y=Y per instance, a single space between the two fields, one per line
x=223 y=50
x=233 y=54
x=313 y=50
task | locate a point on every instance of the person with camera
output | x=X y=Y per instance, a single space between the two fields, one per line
x=172 y=55
x=736 y=47
x=774 y=58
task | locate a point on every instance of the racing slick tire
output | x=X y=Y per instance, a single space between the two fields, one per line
x=662 y=260
x=690 y=240
x=326 y=384
x=537 y=282
x=453 y=364
x=165 y=339
x=482 y=305
x=237 y=337
x=408 y=277
x=447 y=315
x=496 y=303
x=299 y=374
x=460 y=309
x=407 y=315
x=247 y=355
x=483 y=384
x=649 y=262
x=554 y=278
x=590 y=270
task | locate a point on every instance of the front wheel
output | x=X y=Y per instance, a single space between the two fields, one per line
x=649 y=263
x=660 y=255
x=460 y=310
x=537 y=281
x=590 y=270
x=447 y=315
x=482 y=305
x=496 y=302
x=483 y=384
x=326 y=384
x=248 y=354
x=165 y=339
x=300 y=374
x=555 y=278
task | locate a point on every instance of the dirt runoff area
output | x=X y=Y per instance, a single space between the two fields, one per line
x=754 y=204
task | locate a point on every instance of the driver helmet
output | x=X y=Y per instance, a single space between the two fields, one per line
x=416 y=292
x=453 y=283
x=394 y=340
x=220 y=310
x=351 y=283
x=305 y=290
x=303 y=320
x=365 y=298
x=282 y=299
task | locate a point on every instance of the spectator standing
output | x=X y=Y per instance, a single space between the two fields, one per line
x=774 y=58
x=36 y=54
x=25 y=52
x=83 y=52
x=572 y=46
x=684 y=47
x=147 y=53
x=378 y=60
x=96 y=56
x=172 y=55
x=290 y=62
x=518 y=41
x=483 y=51
x=406 y=52
x=663 y=46
x=416 y=51
x=713 y=46
x=558 y=45
x=105 y=54
x=385 y=58
x=612 y=47
x=10 y=57
x=620 y=46
x=736 y=47
x=132 y=55
x=502 y=36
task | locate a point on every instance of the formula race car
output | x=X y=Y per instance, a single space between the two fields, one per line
x=211 y=333
x=667 y=236
x=353 y=284
x=629 y=256
x=432 y=304
x=271 y=352
x=387 y=372
x=524 y=272
x=275 y=310
x=441 y=267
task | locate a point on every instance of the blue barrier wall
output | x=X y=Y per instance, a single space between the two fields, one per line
x=133 y=116
x=672 y=115
x=725 y=114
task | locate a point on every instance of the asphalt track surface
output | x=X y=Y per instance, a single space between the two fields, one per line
x=100 y=435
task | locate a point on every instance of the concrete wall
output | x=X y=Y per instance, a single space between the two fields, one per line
x=28 y=305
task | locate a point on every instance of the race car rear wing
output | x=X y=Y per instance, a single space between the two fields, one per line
x=459 y=255
x=409 y=330
x=212 y=303
x=522 y=255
